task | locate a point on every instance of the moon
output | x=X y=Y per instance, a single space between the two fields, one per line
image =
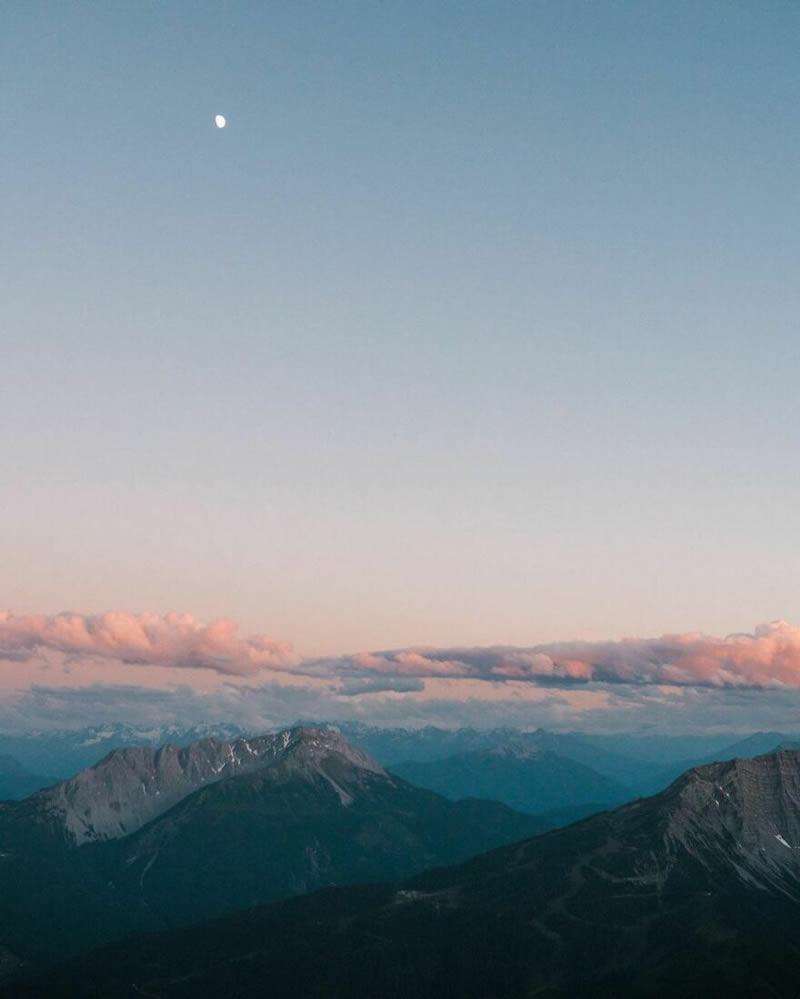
x=219 y=120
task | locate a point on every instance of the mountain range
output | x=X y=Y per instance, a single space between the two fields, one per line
x=641 y=762
x=694 y=892
x=520 y=774
x=148 y=838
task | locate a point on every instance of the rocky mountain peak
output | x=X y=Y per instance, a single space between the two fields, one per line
x=740 y=818
x=755 y=798
x=318 y=743
x=132 y=785
x=516 y=749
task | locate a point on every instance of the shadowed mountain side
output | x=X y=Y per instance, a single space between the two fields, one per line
x=560 y=817
x=393 y=746
x=321 y=813
x=284 y=832
x=645 y=763
x=10 y=766
x=694 y=892
x=518 y=774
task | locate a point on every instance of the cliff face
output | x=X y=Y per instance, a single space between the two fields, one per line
x=743 y=815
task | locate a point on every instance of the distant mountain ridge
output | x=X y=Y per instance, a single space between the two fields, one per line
x=518 y=773
x=16 y=782
x=10 y=766
x=643 y=762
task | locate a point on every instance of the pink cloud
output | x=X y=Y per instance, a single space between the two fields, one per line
x=408 y=662
x=146 y=639
x=768 y=657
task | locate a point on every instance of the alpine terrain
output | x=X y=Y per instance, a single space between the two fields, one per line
x=249 y=821
x=693 y=893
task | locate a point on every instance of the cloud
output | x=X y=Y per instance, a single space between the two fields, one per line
x=142 y=639
x=589 y=708
x=42 y=707
x=355 y=686
x=108 y=667
x=770 y=657
x=256 y=708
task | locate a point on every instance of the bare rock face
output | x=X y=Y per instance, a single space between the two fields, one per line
x=132 y=786
x=745 y=813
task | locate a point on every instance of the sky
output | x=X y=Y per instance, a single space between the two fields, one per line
x=475 y=327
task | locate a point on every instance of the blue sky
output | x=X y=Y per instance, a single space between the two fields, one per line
x=476 y=325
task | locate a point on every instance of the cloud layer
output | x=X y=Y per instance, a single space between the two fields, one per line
x=621 y=708
x=86 y=667
x=768 y=657
x=147 y=639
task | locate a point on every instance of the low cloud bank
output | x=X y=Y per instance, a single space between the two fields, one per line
x=623 y=708
x=770 y=657
x=146 y=639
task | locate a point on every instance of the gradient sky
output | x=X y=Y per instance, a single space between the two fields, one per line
x=478 y=323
